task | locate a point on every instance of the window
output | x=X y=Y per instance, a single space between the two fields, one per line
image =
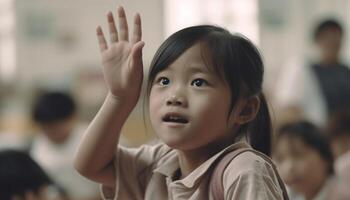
x=7 y=40
x=235 y=15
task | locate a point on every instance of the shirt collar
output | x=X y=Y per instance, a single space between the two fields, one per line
x=170 y=164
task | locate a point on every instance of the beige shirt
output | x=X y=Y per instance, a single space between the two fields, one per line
x=147 y=173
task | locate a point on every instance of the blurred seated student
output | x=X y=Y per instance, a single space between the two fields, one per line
x=21 y=178
x=53 y=148
x=339 y=132
x=305 y=161
x=315 y=89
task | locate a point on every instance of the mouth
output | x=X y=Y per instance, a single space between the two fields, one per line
x=175 y=118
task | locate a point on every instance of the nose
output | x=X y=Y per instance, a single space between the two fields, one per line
x=174 y=100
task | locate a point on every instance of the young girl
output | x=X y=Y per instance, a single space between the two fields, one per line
x=205 y=100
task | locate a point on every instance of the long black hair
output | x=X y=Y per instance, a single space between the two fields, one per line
x=235 y=59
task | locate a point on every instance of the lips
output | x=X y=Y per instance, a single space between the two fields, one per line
x=175 y=118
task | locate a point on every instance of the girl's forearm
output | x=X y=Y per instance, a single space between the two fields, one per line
x=97 y=148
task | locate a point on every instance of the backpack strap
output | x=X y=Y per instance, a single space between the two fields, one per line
x=216 y=182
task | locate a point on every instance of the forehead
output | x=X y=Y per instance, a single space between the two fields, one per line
x=192 y=55
x=330 y=33
x=291 y=144
x=194 y=59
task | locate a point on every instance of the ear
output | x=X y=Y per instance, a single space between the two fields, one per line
x=248 y=110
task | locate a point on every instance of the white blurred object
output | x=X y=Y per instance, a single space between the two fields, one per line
x=14 y=141
x=298 y=87
x=7 y=40
x=57 y=161
x=342 y=166
x=235 y=15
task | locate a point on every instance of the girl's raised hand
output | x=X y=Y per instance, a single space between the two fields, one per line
x=122 y=59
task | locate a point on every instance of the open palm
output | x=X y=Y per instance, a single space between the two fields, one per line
x=122 y=59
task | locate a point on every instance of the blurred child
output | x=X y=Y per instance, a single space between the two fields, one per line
x=205 y=100
x=54 y=147
x=339 y=132
x=22 y=178
x=305 y=160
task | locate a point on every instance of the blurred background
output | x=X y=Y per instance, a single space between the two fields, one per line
x=51 y=46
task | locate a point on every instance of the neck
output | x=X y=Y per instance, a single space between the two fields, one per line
x=329 y=61
x=189 y=160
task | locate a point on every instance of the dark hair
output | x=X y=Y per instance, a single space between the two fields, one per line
x=311 y=136
x=235 y=59
x=326 y=25
x=53 y=106
x=19 y=173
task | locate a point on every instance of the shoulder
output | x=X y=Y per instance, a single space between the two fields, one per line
x=345 y=68
x=251 y=177
x=141 y=157
x=39 y=144
x=247 y=163
x=145 y=151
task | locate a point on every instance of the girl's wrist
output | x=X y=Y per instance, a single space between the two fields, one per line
x=120 y=102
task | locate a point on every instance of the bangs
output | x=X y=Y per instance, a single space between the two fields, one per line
x=210 y=57
x=179 y=42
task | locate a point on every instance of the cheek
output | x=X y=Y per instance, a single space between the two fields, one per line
x=210 y=111
x=213 y=104
x=314 y=169
x=321 y=167
x=155 y=102
x=211 y=114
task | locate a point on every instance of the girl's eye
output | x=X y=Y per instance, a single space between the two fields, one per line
x=199 y=82
x=163 y=81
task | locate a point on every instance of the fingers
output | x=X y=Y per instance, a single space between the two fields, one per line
x=136 y=54
x=123 y=29
x=137 y=50
x=123 y=25
x=113 y=33
x=137 y=34
x=101 y=39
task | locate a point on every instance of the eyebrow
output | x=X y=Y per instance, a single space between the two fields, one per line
x=192 y=68
x=197 y=69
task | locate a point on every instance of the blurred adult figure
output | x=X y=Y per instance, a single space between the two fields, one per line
x=54 y=147
x=318 y=89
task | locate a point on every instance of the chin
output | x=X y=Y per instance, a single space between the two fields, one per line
x=171 y=142
x=174 y=142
